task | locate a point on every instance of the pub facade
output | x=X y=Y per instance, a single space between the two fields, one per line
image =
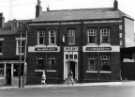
x=84 y=41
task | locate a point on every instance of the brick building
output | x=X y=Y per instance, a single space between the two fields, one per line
x=12 y=52
x=84 y=41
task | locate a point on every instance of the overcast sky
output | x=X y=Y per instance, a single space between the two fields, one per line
x=25 y=9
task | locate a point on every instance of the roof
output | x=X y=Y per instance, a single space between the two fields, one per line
x=13 y=27
x=80 y=14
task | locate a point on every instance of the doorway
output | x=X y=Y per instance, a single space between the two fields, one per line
x=8 y=74
x=72 y=68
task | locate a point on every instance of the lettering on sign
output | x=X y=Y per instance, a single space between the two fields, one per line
x=46 y=49
x=70 y=48
x=98 y=48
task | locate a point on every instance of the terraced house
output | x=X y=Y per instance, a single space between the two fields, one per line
x=84 y=41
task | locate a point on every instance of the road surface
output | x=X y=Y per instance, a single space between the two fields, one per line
x=80 y=91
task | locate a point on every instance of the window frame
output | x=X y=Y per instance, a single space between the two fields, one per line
x=52 y=34
x=17 y=45
x=105 y=32
x=105 y=58
x=1 y=47
x=39 y=36
x=91 y=32
x=92 y=58
x=71 y=35
x=51 y=66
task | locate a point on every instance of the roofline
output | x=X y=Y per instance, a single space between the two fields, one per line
x=77 y=9
x=128 y=18
x=75 y=20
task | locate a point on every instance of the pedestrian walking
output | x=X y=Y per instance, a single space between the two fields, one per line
x=43 y=79
x=70 y=76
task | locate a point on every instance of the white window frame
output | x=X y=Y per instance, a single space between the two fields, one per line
x=71 y=34
x=52 y=33
x=105 y=58
x=1 y=40
x=91 y=65
x=92 y=32
x=17 y=45
x=43 y=36
x=105 y=32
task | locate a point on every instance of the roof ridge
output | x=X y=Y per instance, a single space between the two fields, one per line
x=78 y=9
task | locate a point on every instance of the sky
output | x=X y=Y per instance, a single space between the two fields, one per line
x=25 y=9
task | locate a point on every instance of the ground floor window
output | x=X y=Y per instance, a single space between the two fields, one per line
x=51 y=63
x=47 y=63
x=92 y=63
x=99 y=62
x=105 y=62
x=1 y=70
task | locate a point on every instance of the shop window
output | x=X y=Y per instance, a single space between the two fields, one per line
x=1 y=70
x=20 y=46
x=92 y=35
x=92 y=63
x=105 y=63
x=41 y=36
x=71 y=37
x=52 y=37
x=105 y=35
x=51 y=63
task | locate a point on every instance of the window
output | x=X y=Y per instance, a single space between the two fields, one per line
x=92 y=35
x=40 y=62
x=105 y=35
x=52 y=37
x=105 y=63
x=20 y=47
x=71 y=37
x=92 y=63
x=1 y=43
x=41 y=37
x=75 y=56
x=51 y=63
x=1 y=70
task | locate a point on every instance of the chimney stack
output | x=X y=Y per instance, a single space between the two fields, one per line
x=115 y=5
x=38 y=8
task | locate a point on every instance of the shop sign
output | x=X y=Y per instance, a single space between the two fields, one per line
x=98 y=48
x=70 y=48
x=46 y=49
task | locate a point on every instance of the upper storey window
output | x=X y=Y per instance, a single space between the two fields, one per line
x=52 y=37
x=71 y=37
x=105 y=35
x=20 y=46
x=41 y=37
x=92 y=35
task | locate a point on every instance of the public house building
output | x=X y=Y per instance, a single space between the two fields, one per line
x=84 y=41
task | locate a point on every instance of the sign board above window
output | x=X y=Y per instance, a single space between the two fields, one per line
x=43 y=49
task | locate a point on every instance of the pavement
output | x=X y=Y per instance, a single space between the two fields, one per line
x=123 y=83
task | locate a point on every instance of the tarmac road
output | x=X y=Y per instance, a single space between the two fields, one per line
x=79 y=91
